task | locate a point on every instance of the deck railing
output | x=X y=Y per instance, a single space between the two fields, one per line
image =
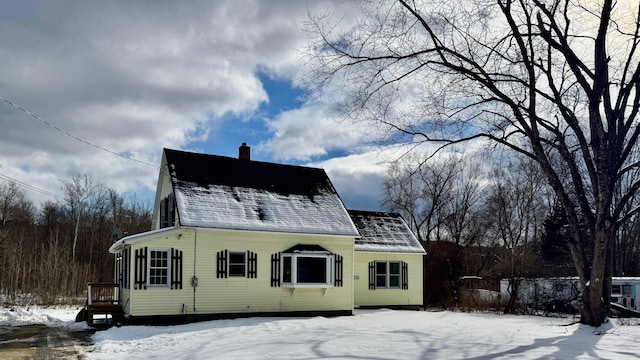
x=103 y=294
x=103 y=299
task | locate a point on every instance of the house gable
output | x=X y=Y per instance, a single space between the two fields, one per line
x=164 y=191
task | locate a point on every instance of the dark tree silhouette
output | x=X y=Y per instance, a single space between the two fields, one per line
x=556 y=81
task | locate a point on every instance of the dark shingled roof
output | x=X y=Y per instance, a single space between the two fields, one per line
x=384 y=232
x=205 y=170
x=228 y=193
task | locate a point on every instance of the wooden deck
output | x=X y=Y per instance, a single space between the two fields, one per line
x=103 y=299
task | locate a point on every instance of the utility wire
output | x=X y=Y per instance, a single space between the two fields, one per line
x=71 y=135
x=29 y=186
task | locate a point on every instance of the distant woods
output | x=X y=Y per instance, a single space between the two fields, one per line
x=481 y=224
x=49 y=254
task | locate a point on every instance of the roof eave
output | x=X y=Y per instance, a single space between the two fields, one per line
x=120 y=244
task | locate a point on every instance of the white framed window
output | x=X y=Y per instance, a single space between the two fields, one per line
x=387 y=274
x=309 y=270
x=158 y=267
x=237 y=263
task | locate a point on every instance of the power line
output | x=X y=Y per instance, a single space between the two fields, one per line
x=29 y=186
x=71 y=135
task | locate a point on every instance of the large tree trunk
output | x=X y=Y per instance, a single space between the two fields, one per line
x=596 y=281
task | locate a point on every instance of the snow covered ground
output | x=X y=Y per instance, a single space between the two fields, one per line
x=374 y=334
x=51 y=316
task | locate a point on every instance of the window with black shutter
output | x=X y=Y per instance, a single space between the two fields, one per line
x=236 y=264
x=153 y=268
x=159 y=267
x=385 y=274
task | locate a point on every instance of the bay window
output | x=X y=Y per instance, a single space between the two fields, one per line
x=307 y=270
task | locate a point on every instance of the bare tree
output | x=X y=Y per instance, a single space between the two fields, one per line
x=78 y=193
x=16 y=215
x=556 y=81
x=461 y=211
x=441 y=200
x=37 y=261
x=517 y=205
x=419 y=192
x=626 y=255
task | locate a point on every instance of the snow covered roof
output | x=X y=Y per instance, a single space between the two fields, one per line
x=384 y=232
x=228 y=193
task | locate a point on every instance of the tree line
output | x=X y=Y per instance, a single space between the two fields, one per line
x=483 y=223
x=49 y=254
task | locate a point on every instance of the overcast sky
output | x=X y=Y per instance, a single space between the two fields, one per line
x=135 y=77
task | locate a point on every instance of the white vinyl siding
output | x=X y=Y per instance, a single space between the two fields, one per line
x=235 y=294
x=387 y=296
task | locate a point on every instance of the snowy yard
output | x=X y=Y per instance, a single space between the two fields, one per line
x=375 y=334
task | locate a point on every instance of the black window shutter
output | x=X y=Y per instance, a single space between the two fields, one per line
x=163 y=213
x=118 y=269
x=141 y=269
x=405 y=275
x=171 y=210
x=252 y=264
x=127 y=264
x=222 y=264
x=275 y=270
x=372 y=275
x=176 y=269
x=338 y=271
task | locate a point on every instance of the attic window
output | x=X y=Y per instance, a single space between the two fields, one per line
x=168 y=211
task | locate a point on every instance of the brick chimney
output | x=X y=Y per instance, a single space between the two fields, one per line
x=244 y=152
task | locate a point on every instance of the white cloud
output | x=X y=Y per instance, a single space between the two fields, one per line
x=135 y=77
x=358 y=179
x=310 y=131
